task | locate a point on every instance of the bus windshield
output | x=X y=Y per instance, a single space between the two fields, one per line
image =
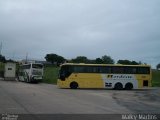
x=37 y=66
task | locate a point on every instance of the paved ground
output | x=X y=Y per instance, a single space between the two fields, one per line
x=20 y=98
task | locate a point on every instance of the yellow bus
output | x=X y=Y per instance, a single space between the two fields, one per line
x=118 y=76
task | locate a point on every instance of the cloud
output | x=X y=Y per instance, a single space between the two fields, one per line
x=122 y=29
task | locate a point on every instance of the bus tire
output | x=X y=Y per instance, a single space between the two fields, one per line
x=74 y=85
x=129 y=86
x=27 y=80
x=118 y=86
x=18 y=79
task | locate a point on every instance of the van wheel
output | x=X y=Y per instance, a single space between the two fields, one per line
x=74 y=85
x=118 y=86
x=129 y=86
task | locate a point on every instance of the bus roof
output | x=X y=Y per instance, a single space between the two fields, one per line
x=84 y=64
x=32 y=63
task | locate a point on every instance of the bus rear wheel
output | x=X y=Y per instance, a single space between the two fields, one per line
x=74 y=85
x=118 y=86
x=129 y=86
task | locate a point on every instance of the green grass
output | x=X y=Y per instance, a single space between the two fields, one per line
x=50 y=74
x=1 y=69
x=1 y=66
x=156 y=78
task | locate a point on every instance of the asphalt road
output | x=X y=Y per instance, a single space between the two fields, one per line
x=25 y=98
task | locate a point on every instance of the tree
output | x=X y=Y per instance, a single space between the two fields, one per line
x=134 y=63
x=2 y=58
x=80 y=59
x=10 y=60
x=158 y=66
x=124 y=62
x=107 y=60
x=99 y=61
x=128 y=62
x=54 y=58
x=104 y=60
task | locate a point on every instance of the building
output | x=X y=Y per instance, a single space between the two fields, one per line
x=10 y=71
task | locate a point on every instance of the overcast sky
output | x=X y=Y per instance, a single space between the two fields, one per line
x=122 y=29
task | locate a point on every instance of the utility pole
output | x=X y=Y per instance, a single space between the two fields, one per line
x=13 y=55
x=26 y=57
x=1 y=49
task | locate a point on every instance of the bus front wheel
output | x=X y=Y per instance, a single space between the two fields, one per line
x=118 y=86
x=74 y=85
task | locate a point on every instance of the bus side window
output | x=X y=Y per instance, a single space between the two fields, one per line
x=130 y=70
x=143 y=70
x=117 y=69
x=78 y=69
x=134 y=70
x=108 y=69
